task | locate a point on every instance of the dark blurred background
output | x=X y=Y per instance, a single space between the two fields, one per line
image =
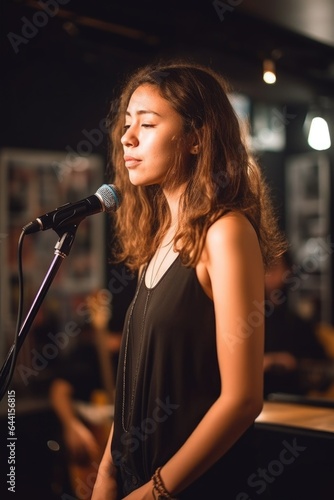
x=61 y=64
x=61 y=68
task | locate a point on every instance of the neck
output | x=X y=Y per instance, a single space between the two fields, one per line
x=173 y=200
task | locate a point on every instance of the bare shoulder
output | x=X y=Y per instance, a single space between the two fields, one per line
x=231 y=229
x=231 y=249
x=232 y=242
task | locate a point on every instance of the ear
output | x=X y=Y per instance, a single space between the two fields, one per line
x=194 y=144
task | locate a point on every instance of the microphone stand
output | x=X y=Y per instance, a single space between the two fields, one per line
x=62 y=249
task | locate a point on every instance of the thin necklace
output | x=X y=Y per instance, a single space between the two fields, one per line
x=170 y=227
x=153 y=276
x=135 y=379
x=166 y=244
x=125 y=429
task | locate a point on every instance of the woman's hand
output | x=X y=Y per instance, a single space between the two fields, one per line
x=145 y=492
x=82 y=445
x=105 y=487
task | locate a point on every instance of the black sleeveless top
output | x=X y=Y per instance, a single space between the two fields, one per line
x=168 y=376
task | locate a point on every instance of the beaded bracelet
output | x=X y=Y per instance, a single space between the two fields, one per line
x=159 y=487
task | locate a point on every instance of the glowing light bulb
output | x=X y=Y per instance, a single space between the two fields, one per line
x=319 y=137
x=269 y=72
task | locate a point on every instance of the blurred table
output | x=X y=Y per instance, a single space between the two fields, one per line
x=301 y=416
x=306 y=428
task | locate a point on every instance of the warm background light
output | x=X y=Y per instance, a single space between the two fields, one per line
x=269 y=71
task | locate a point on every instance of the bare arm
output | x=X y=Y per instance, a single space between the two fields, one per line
x=80 y=442
x=61 y=400
x=106 y=485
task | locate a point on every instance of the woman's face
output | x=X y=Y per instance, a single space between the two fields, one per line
x=153 y=132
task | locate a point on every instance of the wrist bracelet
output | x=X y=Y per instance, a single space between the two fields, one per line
x=159 y=487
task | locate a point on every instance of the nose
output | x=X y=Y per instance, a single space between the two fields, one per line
x=129 y=138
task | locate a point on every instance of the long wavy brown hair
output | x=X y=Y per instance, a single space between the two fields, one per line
x=222 y=177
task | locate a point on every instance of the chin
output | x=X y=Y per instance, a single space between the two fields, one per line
x=137 y=182
x=140 y=181
x=134 y=179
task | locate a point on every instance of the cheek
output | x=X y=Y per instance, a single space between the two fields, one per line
x=170 y=148
x=162 y=152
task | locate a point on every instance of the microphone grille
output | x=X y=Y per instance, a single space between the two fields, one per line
x=110 y=196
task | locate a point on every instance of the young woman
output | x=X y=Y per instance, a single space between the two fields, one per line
x=196 y=223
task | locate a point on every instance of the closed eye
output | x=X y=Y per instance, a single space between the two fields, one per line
x=145 y=125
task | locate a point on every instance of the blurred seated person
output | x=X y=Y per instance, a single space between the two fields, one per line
x=82 y=394
x=293 y=353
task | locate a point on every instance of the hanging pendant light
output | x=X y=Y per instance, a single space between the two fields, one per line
x=269 y=71
x=318 y=136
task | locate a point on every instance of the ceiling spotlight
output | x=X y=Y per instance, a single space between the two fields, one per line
x=269 y=71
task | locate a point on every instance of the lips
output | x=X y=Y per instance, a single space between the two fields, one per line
x=130 y=161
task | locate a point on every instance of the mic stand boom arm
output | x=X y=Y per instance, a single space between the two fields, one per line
x=62 y=249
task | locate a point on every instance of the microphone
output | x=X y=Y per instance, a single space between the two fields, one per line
x=106 y=199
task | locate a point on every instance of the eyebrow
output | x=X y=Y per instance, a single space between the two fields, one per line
x=143 y=112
